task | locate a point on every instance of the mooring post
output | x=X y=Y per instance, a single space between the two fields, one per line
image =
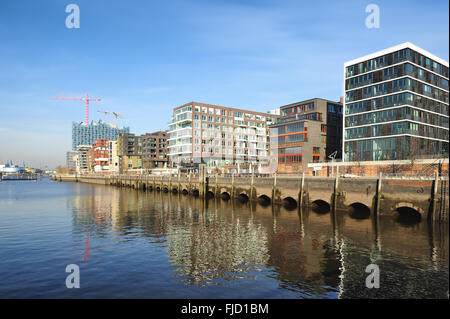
x=378 y=195
x=302 y=185
x=216 y=193
x=336 y=188
x=251 y=184
x=179 y=183
x=232 y=185
x=434 y=197
x=202 y=180
x=274 y=188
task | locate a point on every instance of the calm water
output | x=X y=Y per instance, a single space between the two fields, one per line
x=131 y=244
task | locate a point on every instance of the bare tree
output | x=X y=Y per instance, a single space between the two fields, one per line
x=414 y=152
x=61 y=170
x=356 y=159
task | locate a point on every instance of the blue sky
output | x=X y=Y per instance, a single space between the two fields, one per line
x=142 y=58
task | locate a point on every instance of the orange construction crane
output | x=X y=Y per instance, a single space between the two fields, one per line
x=87 y=99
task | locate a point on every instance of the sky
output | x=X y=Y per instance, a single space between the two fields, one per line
x=143 y=58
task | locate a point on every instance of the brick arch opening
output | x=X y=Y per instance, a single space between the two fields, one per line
x=225 y=196
x=407 y=214
x=264 y=200
x=289 y=203
x=320 y=206
x=359 y=211
x=243 y=198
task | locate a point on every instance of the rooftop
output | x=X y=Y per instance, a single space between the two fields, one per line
x=397 y=48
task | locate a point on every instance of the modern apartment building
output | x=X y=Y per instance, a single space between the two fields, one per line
x=307 y=132
x=71 y=162
x=154 y=150
x=101 y=150
x=396 y=105
x=129 y=144
x=114 y=159
x=87 y=134
x=84 y=158
x=129 y=149
x=217 y=135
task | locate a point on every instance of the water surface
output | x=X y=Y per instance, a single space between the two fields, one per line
x=134 y=244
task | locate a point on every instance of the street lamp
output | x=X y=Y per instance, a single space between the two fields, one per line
x=332 y=156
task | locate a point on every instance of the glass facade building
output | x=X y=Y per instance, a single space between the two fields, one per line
x=396 y=105
x=83 y=134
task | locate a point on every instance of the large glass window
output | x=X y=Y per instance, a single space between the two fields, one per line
x=350 y=71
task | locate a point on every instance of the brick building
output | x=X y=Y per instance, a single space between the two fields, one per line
x=154 y=150
x=307 y=132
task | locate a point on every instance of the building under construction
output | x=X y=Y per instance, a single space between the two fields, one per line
x=83 y=134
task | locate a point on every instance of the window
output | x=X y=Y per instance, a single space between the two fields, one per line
x=294 y=150
x=350 y=71
x=409 y=69
x=376 y=130
x=427 y=90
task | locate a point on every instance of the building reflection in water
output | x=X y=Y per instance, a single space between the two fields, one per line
x=311 y=254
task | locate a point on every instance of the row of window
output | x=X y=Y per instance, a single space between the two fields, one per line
x=332 y=108
x=289 y=138
x=289 y=159
x=229 y=113
x=402 y=147
x=426 y=76
x=394 y=58
x=211 y=151
x=289 y=128
x=394 y=72
x=396 y=114
x=404 y=127
x=397 y=100
x=395 y=86
x=298 y=109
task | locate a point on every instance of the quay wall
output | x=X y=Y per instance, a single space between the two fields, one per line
x=426 y=197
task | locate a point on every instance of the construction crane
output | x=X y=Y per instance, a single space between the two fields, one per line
x=116 y=115
x=87 y=99
x=106 y=115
